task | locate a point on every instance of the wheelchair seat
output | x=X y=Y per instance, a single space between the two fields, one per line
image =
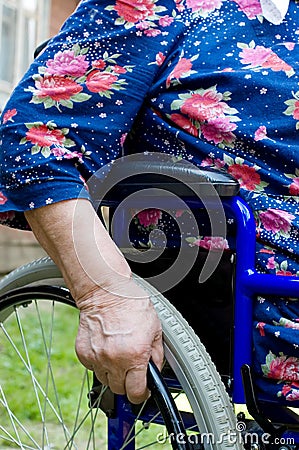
x=181 y=178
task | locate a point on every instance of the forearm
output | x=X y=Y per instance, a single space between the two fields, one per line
x=119 y=330
x=75 y=238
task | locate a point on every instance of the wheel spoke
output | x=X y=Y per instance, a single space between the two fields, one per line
x=28 y=369
x=61 y=417
x=10 y=440
x=49 y=374
x=89 y=413
x=14 y=420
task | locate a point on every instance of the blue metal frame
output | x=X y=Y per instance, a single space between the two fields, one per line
x=248 y=284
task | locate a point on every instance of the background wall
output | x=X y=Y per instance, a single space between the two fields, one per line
x=17 y=248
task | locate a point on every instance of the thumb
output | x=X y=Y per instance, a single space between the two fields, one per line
x=136 y=385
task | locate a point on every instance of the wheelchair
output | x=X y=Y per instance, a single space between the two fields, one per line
x=195 y=400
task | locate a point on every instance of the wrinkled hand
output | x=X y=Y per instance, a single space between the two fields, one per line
x=117 y=336
x=119 y=330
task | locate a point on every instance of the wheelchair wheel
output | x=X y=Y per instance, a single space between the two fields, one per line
x=45 y=400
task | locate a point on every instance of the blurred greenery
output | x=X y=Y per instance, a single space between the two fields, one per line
x=37 y=332
x=27 y=337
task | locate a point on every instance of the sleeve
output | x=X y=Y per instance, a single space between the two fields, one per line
x=71 y=111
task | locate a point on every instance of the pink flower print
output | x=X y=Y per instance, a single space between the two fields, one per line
x=58 y=152
x=293 y=107
x=205 y=6
x=255 y=56
x=184 y=123
x=119 y=69
x=10 y=113
x=267 y=251
x=285 y=273
x=261 y=133
x=263 y=57
x=246 y=175
x=43 y=136
x=182 y=68
x=135 y=10
x=209 y=162
x=3 y=198
x=152 y=33
x=286 y=389
x=251 y=8
x=99 y=64
x=144 y=25
x=160 y=58
x=290 y=391
x=287 y=323
x=219 y=130
x=206 y=106
x=149 y=217
x=212 y=243
x=289 y=45
x=276 y=220
x=294 y=187
x=284 y=368
x=293 y=395
x=74 y=155
x=296 y=110
x=57 y=88
x=260 y=326
x=179 y=6
x=100 y=81
x=123 y=138
x=275 y=63
x=67 y=63
x=271 y=263
x=165 y=21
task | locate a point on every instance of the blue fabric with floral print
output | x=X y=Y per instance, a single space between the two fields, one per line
x=211 y=81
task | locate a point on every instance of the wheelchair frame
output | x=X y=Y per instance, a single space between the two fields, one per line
x=248 y=283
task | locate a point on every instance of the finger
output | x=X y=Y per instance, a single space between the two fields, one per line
x=116 y=382
x=85 y=362
x=158 y=353
x=102 y=377
x=136 y=385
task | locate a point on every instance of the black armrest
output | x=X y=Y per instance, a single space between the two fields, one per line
x=40 y=48
x=179 y=178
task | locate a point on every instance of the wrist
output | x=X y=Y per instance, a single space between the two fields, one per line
x=114 y=290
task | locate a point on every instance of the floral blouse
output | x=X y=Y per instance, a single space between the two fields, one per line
x=210 y=81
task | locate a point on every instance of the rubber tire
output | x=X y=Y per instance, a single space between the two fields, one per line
x=211 y=404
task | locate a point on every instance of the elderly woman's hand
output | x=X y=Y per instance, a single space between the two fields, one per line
x=117 y=336
x=119 y=329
